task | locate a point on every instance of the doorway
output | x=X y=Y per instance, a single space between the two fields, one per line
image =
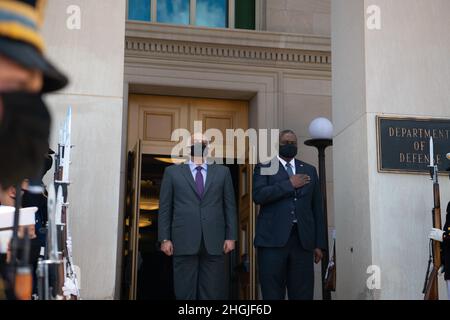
x=147 y=272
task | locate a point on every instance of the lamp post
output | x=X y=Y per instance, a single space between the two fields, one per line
x=321 y=132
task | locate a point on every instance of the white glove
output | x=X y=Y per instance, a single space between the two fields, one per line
x=436 y=234
x=69 y=288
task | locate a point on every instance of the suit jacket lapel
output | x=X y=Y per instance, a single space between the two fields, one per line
x=282 y=170
x=209 y=177
x=299 y=167
x=186 y=170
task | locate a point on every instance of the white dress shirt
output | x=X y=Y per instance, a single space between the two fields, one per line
x=193 y=168
x=283 y=162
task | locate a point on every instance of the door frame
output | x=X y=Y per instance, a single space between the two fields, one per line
x=144 y=148
x=134 y=219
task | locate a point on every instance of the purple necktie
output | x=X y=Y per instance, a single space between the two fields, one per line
x=199 y=182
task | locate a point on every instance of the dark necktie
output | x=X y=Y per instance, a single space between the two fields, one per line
x=290 y=172
x=289 y=169
x=199 y=182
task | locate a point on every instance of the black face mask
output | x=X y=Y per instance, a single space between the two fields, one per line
x=24 y=133
x=199 y=150
x=288 y=151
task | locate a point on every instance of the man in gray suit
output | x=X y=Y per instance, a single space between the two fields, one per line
x=197 y=224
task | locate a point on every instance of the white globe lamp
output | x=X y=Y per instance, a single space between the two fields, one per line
x=321 y=128
x=321 y=132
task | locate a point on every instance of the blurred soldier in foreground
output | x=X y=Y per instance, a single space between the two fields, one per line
x=25 y=74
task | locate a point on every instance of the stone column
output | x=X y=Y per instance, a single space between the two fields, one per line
x=93 y=58
x=399 y=69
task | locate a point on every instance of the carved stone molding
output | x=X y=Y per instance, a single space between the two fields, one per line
x=242 y=47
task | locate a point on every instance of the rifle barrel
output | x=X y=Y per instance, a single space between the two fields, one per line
x=15 y=236
x=432 y=292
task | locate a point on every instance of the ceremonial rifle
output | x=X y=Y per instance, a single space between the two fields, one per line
x=330 y=275
x=49 y=278
x=431 y=284
x=46 y=291
x=70 y=280
x=59 y=241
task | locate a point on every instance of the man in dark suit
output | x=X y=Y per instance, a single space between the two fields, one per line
x=197 y=224
x=290 y=229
